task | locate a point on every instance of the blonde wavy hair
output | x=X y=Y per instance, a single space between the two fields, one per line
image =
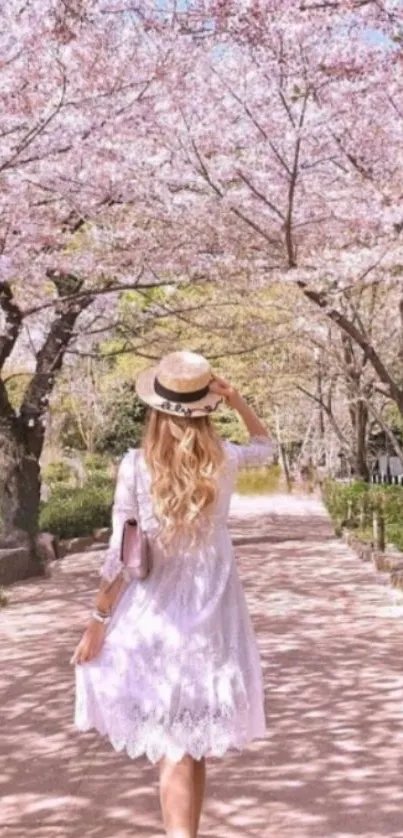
x=184 y=457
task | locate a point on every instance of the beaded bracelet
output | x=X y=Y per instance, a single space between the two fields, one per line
x=100 y=617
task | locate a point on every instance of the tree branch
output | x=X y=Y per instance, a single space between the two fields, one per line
x=342 y=439
x=388 y=431
x=291 y=251
x=13 y=318
x=7 y=413
x=331 y=4
x=320 y=299
x=49 y=359
x=109 y=288
x=261 y=195
x=36 y=129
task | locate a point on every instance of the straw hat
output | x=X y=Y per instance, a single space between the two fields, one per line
x=179 y=384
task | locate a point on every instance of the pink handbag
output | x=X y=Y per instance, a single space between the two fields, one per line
x=135 y=552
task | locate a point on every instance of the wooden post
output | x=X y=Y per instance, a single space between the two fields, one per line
x=349 y=510
x=379 y=530
x=361 y=514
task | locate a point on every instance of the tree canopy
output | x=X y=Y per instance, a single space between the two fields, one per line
x=222 y=177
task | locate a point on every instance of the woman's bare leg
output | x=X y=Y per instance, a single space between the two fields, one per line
x=199 y=778
x=177 y=796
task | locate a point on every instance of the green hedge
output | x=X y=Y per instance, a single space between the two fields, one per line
x=70 y=512
x=337 y=496
x=369 y=497
x=76 y=512
x=57 y=472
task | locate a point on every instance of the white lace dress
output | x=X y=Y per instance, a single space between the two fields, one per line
x=179 y=671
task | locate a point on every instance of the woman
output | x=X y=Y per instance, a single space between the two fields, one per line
x=169 y=667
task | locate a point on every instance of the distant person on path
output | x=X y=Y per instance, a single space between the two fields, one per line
x=168 y=666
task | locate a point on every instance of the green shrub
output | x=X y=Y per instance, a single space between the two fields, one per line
x=125 y=415
x=63 y=491
x=99 y=470
x=394 y=534
x=259 y=481
x=369 y=497
x=337 y=496
x=228 y=425
x=57 y=472
x=99 y=479
x=391 y=499
x=363 y=533
x=96 y=464
x=78 y=513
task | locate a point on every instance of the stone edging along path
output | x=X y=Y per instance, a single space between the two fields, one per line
x=388 y=561
x=15 y=560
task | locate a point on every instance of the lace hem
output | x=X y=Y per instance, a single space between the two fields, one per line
x=149 y=736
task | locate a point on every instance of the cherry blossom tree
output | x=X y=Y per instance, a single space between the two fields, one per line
x=145 y=144
x=349 y=397
x=285 y=121
x=81 y=217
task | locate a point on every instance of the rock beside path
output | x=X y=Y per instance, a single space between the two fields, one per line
x=15 y=563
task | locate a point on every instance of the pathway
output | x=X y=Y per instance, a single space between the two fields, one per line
x=330 y=633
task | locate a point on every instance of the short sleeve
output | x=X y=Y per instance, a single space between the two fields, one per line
x=124 y=507
x=258 y=452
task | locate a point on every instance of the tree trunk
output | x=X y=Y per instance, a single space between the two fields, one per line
x=319 y=393
x=19 y=495
x=360 y=427
x=22 y=434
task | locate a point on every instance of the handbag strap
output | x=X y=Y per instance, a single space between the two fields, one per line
x=136 y=504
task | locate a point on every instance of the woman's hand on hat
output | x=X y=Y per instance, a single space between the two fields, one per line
x=221 y=387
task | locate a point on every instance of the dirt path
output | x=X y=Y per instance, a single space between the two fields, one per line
x=330 y=633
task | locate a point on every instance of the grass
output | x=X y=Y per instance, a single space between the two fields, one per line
x=394 y=534
x=259 y=481
x=3 y=598
x=366 y=498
